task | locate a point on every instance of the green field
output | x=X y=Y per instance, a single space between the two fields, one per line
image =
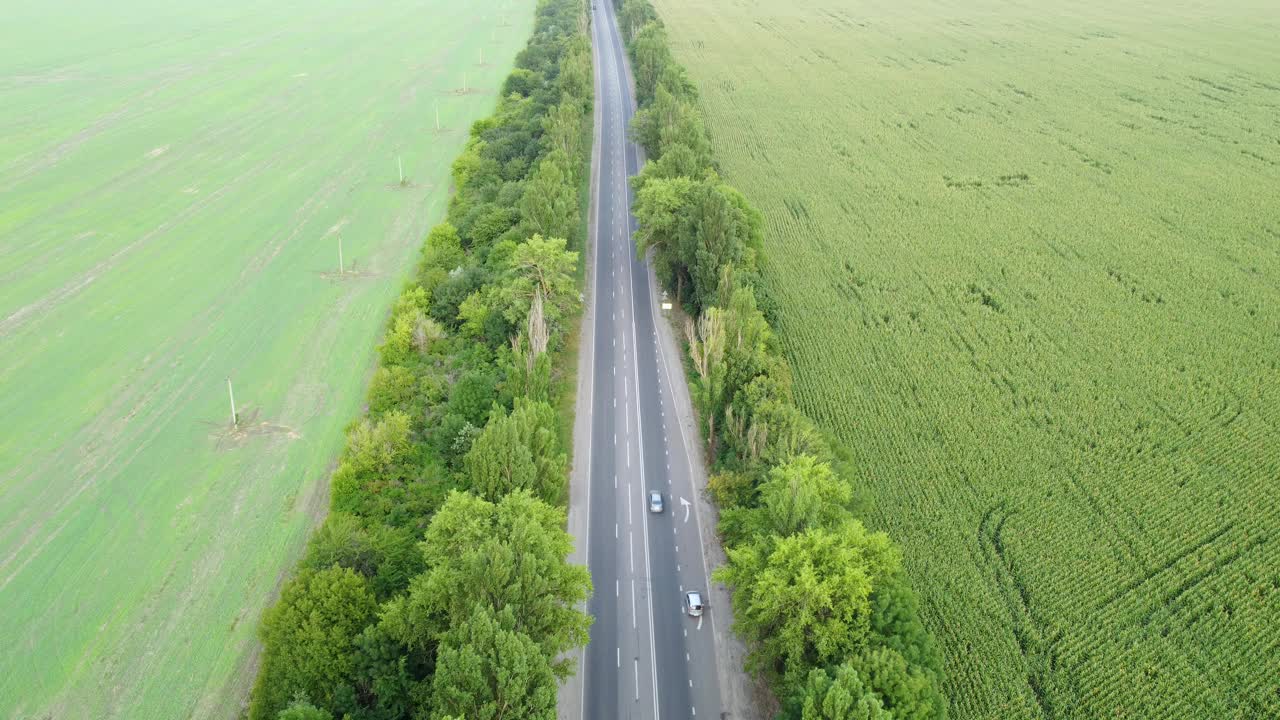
x=1027 y=257
x=173 y=182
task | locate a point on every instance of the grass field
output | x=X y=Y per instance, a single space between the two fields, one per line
x=173 y=181
x=1028 y=260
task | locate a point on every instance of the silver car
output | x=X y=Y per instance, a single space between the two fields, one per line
x=693 y=603
x=655 y=501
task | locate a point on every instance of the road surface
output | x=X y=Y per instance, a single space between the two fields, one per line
x=646 y=658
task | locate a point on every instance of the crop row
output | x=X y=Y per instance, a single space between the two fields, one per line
x=1043 y=323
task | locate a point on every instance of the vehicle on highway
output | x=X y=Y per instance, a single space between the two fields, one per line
x=693 y=603
x=655 y=501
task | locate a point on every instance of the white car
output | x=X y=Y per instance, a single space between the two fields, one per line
x=693 y=603
x=655 y=501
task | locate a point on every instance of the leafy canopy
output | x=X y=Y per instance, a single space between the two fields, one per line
x=805 y=599
x=309 y=638
x=508 y=554
x=488 y=670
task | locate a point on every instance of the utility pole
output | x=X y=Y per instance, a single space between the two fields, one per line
x=464 y=82
x=400 y=167
x=482 y=56
x=235 y=417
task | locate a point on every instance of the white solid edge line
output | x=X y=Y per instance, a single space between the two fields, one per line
x=597 y=118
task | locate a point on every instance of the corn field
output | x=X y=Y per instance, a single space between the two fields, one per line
x=1026 y=260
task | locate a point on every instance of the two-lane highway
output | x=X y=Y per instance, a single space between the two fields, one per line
x=646 y=657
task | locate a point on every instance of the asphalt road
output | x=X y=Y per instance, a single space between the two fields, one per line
x=646 y=658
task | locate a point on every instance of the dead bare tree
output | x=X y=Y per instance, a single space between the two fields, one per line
x=706 y=348
x=539 y=336
x=425 y=332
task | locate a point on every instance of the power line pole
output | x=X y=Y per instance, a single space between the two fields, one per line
x=437 y=116
x=400 y=167
x=235 y=417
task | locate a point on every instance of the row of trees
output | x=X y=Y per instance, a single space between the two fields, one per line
x=438 y=587
x=822 y=601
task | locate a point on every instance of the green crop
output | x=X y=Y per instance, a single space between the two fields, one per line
x=1025 y=262
x=174 y=178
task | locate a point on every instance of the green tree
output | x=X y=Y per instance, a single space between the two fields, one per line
x=687 y=130
x=678 y=160
x=443 y=248
x=635 y=14
x=528 y=368
x=473 y=170
x=803 y=493
x=563 y=128
x=670 y=121
x=387 y=677
x=473 y=313
x=309 y=639
x=804 y=600
x=540 y=264
x=521 y=81
x=698 y=228
x=752 y=338
x=650 y=55
x=745 y=425
x=393 y=387
x=397 y=345
x=895 y=624
x=473 y=394
x=412 y=299
x=383 y=448
x=387 y=556
x=491 y=221
x=787 y=431
x=396 y=550
x=723 y=228
x=841 y=695
x=449 y=294
x=341 y=540
x=488 y=670
x=706 y=348
x=550 y=201
x=661 y=209
x=301 y=709
x=731 y=489
x=378 y=455
x=535 y=424
x=575 y=73
x=407 y=317
x=647 y=123
x=498 y=462
x=908 y=693
x=676 y=80
x=509 y=554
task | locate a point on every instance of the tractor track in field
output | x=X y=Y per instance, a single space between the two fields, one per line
x=53 y=155
x=29 y=312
